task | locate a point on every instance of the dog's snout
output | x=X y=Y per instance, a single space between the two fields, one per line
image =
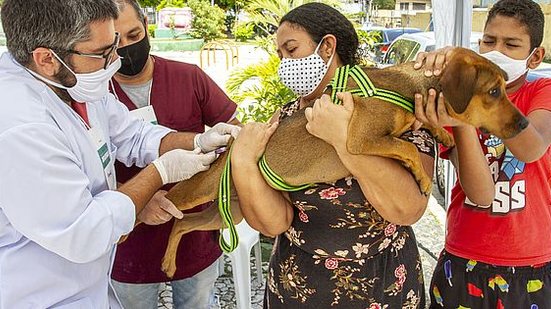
x=521 y=123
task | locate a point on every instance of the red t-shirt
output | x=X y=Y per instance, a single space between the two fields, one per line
x=185 y=99
x=516 y=229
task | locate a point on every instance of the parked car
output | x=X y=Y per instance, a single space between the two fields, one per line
x=406 y=47
x=542 y=71
x=385 y=37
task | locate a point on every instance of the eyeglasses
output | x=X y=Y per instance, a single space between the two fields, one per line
x=108 y=55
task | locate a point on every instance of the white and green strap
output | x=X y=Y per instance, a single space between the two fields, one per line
x=365 y=88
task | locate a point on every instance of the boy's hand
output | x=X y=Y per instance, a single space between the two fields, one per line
x=433 y=62
x=432 y=111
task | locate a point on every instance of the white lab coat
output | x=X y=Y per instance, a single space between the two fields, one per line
x=59 y=223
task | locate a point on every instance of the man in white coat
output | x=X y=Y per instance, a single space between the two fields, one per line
x=61 y=212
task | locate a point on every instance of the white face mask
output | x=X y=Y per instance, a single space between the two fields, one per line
x=89 y=87
x=513 y=67
x=304 y=75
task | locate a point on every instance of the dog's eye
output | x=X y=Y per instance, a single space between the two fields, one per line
x=495 y=92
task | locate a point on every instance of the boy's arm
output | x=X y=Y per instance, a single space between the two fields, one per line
x=471 y=166
x=532 y=143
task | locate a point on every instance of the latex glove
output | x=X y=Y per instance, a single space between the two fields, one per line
x=178 y=164
x=159 y=210
x=215 y=137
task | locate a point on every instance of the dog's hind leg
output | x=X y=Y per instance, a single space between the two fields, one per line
x=209 y=219
x=206 y=220
x=403 y=151
x=169 y=260
x=199 y=189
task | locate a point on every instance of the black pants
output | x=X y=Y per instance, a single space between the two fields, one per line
x=460 y=283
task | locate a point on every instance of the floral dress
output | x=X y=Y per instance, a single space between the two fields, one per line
x=340 y=253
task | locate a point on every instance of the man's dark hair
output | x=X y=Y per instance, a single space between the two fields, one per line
x=527 y=12
x=54 y=24
x=135 y=5
x=319 y=20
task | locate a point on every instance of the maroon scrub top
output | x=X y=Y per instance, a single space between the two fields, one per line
x=184 y=99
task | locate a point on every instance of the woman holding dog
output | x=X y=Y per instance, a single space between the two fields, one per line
x=347 y=244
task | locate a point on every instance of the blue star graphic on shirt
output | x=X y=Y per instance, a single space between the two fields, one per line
x=511 y=165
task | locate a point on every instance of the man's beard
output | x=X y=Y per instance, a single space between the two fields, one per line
x=67 y=79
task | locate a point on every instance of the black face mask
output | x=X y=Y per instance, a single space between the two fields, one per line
x=134 y=57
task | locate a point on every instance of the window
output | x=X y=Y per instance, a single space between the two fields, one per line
x=404 y=6
x=401 y=51
x=419 y=6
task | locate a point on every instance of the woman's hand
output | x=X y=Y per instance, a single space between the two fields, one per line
x=251 y=142
x=433 y=112
x=433 y=63
x=329 y=121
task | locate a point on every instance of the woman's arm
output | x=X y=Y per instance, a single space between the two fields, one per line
x=265 y=209
x=388 y=186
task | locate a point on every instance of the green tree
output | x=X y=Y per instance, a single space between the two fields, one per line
x=171 y=4
x=208 y=21
x=148 y=3
x=385 y=4
x=267 y=13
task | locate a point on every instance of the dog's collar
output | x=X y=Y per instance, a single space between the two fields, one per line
x=365 y=87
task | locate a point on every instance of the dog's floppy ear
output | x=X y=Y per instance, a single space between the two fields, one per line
x=458 y=82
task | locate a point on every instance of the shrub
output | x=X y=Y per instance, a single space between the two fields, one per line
x=171 y=4
x=265 y=93
x=208 y=21
x=244 y=32
x=151 y=29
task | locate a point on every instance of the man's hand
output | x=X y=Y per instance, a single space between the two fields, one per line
x=329 y=121
x=159 y=210
x=215 y=137
x=178 y=164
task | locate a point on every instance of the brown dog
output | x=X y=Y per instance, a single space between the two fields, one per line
x=474 y=89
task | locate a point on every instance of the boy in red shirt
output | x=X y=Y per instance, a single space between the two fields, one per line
x=498 y=242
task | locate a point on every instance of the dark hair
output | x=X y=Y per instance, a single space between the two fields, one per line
x=527 y=12
x=55 y=24
x=135 y=5
x=319 y=20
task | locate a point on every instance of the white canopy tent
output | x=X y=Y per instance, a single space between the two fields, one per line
x=452 y=20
